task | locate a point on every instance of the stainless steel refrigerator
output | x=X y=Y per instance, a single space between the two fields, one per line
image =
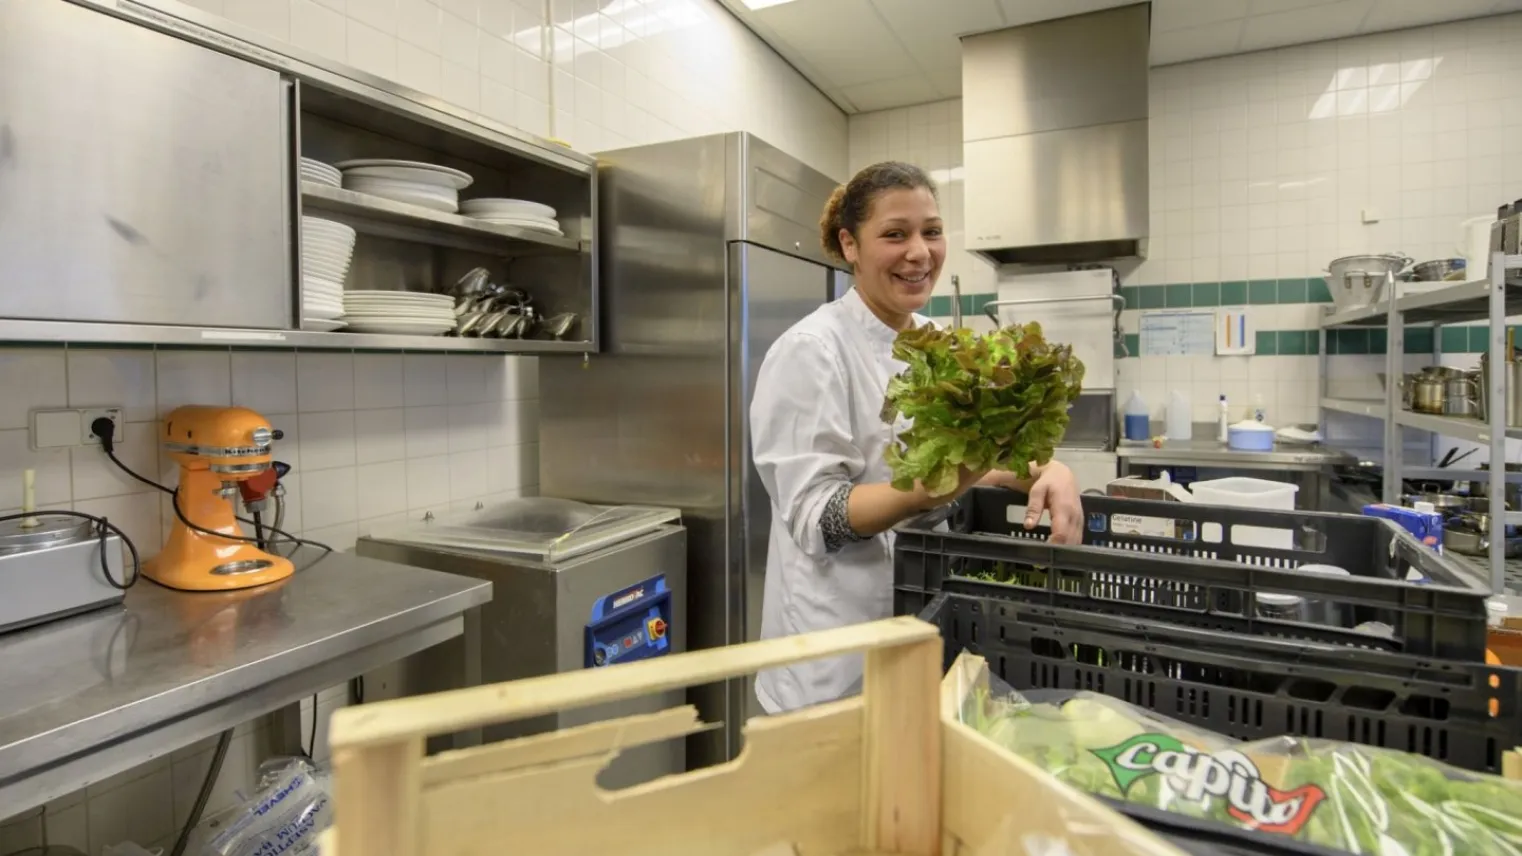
x=709 y=250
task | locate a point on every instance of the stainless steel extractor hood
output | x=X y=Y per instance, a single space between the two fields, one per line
x=1054 y=133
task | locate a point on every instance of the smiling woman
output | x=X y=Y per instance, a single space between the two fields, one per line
x=819 y=440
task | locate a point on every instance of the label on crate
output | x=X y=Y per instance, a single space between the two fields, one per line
x=1227 y=777
x=1155 y=527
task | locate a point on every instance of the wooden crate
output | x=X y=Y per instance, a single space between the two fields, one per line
x=889 y=771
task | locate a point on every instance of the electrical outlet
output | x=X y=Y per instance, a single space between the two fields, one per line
x=65 y=427
x=89 y=416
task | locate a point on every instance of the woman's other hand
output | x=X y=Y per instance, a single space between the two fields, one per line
x=1055 y=491
x=966 y=481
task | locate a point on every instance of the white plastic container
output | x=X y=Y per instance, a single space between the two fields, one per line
x=1244 y=492
x=1180 y=417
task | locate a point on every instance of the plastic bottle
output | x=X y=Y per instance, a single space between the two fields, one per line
x=1137 y=420
x=1180 y=424
x=1221 y=420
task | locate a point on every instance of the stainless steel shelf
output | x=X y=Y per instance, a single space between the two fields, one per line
x=1358 y=407
x=1373 y=315
x=1456 y=304
x=376 y=216
x=1472 y=430
x=15 y=331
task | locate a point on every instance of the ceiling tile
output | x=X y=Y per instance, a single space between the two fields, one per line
x=947 y=81
x=1026 y=11
x=842 y=39
x=896 y=52
x=919 y=21
x=882 y=94
x=1196 y=42
x=1399 y=14
x=1323 y=21
x=1269 y=7
x=1184 y=14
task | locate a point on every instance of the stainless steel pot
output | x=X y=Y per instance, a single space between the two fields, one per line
x=1427 y=393
x=1440 y=501
x=1461 y=397
x=1465 y=541
x=1357 y=280
x=1514 y=394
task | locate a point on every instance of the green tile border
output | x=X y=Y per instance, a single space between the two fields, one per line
x=1202 y=295
x=1181 y=295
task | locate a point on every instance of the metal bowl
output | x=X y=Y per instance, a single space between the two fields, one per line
x=1439 y=270
x=1358 y=280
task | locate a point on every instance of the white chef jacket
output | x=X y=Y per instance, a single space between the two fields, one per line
x=815 y=426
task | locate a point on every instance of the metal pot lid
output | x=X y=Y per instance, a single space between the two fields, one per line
x=1383 y=258
x=50 y=531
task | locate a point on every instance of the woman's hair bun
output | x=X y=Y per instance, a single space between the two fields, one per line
x=851 y=203
x=829 y=224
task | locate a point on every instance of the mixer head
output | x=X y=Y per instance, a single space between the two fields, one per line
x=216 y=448
x=233 y=442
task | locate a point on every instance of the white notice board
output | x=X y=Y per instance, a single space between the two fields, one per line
x=1177 y=334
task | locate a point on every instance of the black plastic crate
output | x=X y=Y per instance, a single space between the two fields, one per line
x=1246 y=687
x=1200 y=576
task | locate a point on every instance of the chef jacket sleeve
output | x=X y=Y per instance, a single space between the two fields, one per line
x=801 y=439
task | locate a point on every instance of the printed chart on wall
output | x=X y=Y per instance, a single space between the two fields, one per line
x=1177 y=334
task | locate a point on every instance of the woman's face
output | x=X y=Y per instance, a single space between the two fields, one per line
x=898 y=252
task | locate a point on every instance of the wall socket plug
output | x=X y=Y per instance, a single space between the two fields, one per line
x=88 y=417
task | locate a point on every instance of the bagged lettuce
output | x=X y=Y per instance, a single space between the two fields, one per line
x=1345 y=796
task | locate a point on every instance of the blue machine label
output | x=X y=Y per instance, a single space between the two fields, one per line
x=630 y=624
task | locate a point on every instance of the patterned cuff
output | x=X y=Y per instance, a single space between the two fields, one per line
x=835 y=522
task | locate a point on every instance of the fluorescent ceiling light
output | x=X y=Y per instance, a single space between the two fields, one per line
x=762 y=4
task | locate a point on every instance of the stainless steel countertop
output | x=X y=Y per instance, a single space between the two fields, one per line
x=115 y=676
x=1215 y=452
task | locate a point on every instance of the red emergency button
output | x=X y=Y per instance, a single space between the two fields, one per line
x=657 y=628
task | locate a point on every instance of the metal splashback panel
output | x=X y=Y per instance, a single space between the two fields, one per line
x=109 y=134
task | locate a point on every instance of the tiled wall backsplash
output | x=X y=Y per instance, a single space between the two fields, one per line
x=373 y=437
x=1263 y=169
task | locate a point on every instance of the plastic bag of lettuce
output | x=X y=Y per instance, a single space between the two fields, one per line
x=1342 y=796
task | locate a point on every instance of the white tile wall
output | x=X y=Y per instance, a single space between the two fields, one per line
x=354 y=468
x=1263 y=166
x=376 y=436
x=599 y=74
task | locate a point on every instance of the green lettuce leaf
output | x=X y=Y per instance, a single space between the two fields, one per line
x=977 y=400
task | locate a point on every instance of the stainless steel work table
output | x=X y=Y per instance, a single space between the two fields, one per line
x=1311 y=465
x=88 y=697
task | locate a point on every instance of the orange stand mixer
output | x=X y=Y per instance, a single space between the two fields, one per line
x=216 y=448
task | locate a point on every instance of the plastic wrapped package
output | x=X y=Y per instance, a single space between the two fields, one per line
x=291 y=805
x=1342 y=796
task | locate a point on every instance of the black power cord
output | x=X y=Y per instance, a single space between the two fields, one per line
x=183 y=840
x=105 y=429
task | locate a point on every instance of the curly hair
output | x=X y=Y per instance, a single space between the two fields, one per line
x=851 y=203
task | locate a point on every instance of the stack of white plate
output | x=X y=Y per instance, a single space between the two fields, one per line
x=327 y=247
x=512 y=212
x=402 y=312
x=319 y=172
x=424 y=184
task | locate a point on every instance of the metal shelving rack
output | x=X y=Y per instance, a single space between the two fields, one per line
x=1491 y=300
